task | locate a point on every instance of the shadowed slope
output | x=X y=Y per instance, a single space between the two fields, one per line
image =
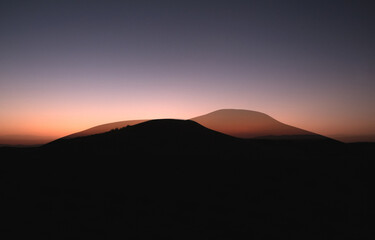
x=109 y=185
x=251 y=124
x=104 y=128
x=236 y=123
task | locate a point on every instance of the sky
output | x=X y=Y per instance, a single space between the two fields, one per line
x=66 y=66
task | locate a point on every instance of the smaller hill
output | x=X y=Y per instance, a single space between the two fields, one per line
x=104 y=128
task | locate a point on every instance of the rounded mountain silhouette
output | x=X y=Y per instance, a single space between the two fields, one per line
x=251 y=124
x=233 y=122
x=161 y=136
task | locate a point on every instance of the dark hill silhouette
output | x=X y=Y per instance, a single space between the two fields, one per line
x=162 y=136
x=233 y=122
x=252 y=124
x=187 y=137
x=201 y=184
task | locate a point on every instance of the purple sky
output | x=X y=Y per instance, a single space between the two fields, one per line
x=68 y=66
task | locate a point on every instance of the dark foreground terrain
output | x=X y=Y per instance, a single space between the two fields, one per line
x=169 y=179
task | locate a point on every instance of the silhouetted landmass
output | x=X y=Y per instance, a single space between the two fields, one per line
x=176 y=179
x=310 y=137
x=247 y=124
x=233 y=122
x=355 y=138
x=104 y=128
x=163 y=137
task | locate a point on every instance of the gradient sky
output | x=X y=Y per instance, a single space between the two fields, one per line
x=69 y=65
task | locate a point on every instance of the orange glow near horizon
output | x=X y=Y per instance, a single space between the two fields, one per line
x=62 y=110
x=54 y=105
x=56 y=123
x=69 y=66
x=56 y=114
